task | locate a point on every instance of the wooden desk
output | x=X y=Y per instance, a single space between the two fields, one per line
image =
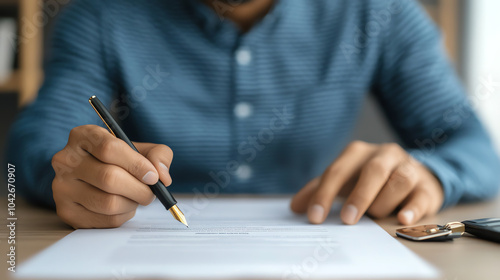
x=463 y=258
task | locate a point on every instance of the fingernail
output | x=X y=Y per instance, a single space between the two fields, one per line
x=316 y=213
x=409 y=216
x=149 y=178
x=349 y=214
x=164 y=169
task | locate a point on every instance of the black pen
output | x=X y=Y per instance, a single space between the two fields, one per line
x=159 y=188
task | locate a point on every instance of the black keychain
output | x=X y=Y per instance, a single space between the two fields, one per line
x=488 y=229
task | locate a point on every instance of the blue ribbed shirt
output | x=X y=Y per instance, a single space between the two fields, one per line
x=263 y=111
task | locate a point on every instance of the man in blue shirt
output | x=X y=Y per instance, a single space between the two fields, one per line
x=253 y=97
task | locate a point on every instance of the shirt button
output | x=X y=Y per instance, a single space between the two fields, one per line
x=243 y=110
x=243 y=57
x=244 y=172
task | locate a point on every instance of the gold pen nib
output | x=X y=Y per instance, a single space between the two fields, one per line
x=178 y=215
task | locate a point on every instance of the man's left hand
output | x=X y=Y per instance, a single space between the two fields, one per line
x=377 y=180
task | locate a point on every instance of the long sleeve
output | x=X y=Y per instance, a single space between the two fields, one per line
x=76 y=70
x=187 y=62
x=426 y=104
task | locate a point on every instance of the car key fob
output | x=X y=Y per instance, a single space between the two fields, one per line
x=488 y=228
x=432 y=232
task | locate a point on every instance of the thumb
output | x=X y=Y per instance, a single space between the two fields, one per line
x=161 y=157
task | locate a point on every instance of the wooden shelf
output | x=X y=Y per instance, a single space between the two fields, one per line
x=26 y=80
x=11 y=85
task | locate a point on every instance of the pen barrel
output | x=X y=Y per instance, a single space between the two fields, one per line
x=165 y=197
x=159 y=188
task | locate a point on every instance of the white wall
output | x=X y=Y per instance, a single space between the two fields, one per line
x=482 y=61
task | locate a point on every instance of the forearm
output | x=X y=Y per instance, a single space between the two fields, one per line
x=76 y=69
x=427 y=105
x=30 y=149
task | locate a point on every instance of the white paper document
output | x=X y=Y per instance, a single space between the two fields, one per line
x=228 y=238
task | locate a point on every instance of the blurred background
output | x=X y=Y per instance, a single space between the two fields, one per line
x=469 y=27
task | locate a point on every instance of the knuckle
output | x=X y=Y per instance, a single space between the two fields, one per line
x=403 y=178
x=97 y=134
x=376 y=166
x=57 y=159
x=137 y=167
x=95 y=128
x=56 y=186
x=107 y=149
x=392 y=147
x=426 y=195
x=75 y=132
x=109 y=177
x=110 y=204
x=59 y=189
x=78 y=131
x=333 y=169
x=361 y=200
x=357 y=145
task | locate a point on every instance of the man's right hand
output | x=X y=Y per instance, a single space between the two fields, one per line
x=100 y=180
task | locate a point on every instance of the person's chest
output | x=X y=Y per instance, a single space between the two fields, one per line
x=210 y=90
